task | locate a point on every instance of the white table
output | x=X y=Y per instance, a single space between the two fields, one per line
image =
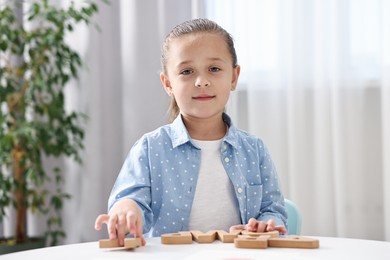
x=330 y=248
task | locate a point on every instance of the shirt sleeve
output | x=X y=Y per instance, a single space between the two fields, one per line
x=133 y=181
x=272 y=205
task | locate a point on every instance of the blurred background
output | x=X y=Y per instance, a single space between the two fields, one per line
x=315 y=86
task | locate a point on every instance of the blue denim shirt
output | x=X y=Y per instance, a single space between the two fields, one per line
x=161 y=170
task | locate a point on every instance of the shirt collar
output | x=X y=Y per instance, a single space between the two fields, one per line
x=179 y=133
x=231 y=136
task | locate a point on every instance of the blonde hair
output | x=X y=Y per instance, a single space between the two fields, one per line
x=188 y=27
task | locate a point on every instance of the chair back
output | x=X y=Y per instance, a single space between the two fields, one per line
x=294 y=219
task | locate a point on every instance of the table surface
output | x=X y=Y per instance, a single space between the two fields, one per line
x=330 y=248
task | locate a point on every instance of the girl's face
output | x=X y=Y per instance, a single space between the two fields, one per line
x=200 y=74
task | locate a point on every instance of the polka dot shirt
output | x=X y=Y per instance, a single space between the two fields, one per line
x=161 y=170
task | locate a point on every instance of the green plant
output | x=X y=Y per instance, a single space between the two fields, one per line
x=36 y=63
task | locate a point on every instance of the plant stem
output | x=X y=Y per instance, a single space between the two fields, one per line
x=21 y=213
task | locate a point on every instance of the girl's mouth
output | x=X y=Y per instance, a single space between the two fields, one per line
x=203 y=97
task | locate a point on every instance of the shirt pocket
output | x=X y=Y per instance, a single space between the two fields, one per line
x=254 y=194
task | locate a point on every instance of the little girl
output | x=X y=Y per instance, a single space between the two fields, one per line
x=200 y=172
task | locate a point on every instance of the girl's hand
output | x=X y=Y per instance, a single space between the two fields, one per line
x=124 y=217
x=260 y=226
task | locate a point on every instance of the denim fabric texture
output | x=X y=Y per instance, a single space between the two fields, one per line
x=161 y=170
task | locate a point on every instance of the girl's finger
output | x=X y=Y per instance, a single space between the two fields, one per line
x=261 y=226
x=139 y=228
x=131 y=222
x=282 y=229
x=121 y=229
x=101 y=219
x=252 y=225
x=135 y=226
x=111 y=226
x=236 y=227
x=270 y=225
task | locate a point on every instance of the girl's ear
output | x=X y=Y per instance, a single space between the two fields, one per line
x=166 y=83
x=236 y=74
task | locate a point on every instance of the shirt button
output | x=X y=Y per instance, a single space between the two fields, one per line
x=227 y=159
x=239 y=190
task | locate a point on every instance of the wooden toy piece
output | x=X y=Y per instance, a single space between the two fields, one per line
x=226 y=237
x=246 y=241
x=293 y=242
x=132 y=242
x=177 y=238
x=201 y=237
x=108 y=243
x=112 y=243
x=257 y=234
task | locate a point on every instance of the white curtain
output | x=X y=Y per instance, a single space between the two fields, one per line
x=315 y=86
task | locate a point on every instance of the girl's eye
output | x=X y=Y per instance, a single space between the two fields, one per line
x=186 y=72
x=215 y=69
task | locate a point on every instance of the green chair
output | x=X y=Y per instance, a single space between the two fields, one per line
x=294 y=220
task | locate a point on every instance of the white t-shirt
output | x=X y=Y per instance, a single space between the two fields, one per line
x=215 y=205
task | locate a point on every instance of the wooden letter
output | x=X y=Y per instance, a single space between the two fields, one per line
x=293 y=242
x=113 y=243
x=108 y=243
x=257 y=234
x=132 y=242
x=201 y=237
x=226 y=237
x=177 y=238
x=245 y=241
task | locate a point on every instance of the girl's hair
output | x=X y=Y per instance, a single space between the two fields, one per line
x=188 y=27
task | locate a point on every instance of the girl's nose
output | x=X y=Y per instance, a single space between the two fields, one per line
x=202 y=82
